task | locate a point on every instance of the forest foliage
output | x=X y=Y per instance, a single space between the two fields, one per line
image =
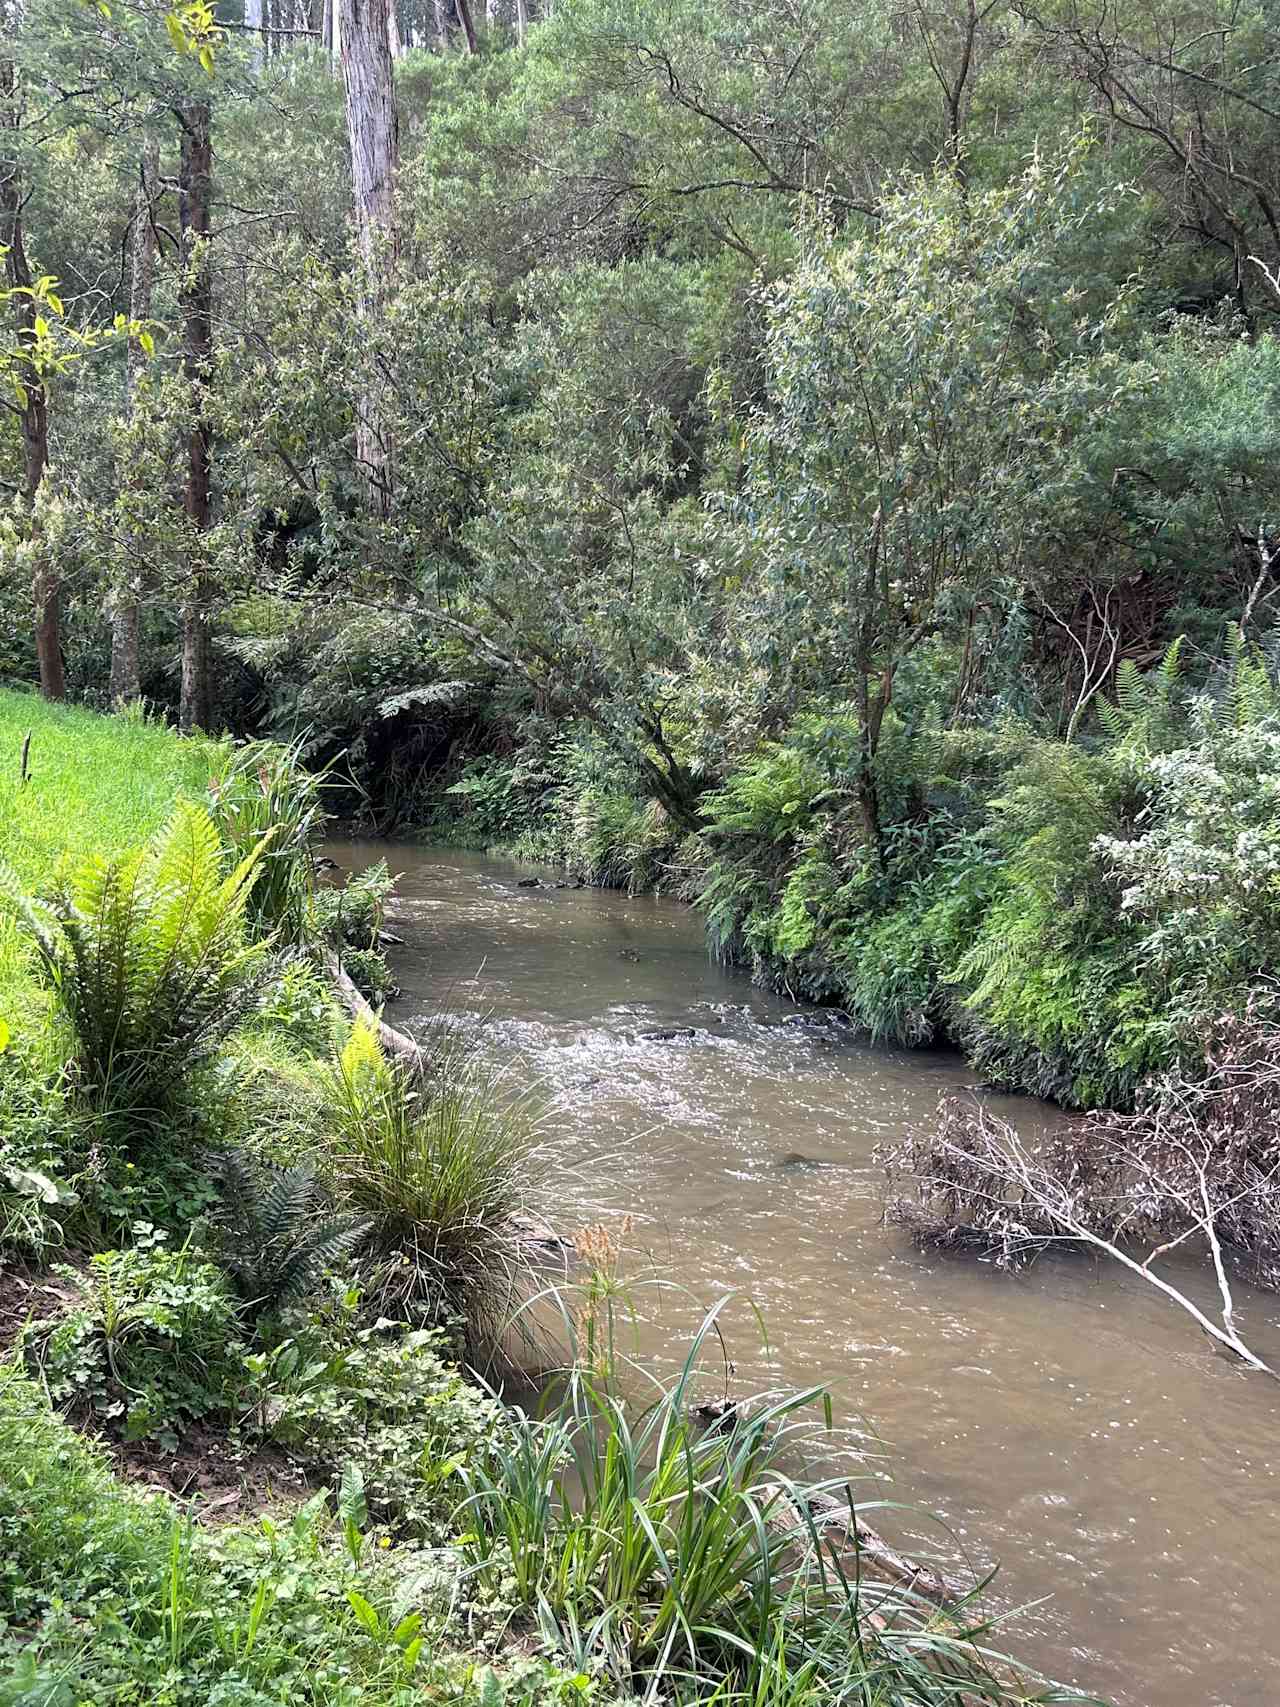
x=826 y=465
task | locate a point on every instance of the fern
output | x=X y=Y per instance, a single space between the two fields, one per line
x=1250 y=696
x=149 y=959
x=280 y=1232
x=1144 y=712
x=446 y=694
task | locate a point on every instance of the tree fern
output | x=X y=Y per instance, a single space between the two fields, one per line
x=148 y=956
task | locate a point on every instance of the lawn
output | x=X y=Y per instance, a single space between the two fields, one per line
x=96 y=785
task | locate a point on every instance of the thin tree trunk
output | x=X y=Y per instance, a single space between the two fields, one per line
x=34 y=405
x=393 y=30
x=490 y=15
x=197 y=330
x=126 y=684
x=468 y=28
x=253 y=25
x=522 y=20
x=373 y=128
x=441 y=11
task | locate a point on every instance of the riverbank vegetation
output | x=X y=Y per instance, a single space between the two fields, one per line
x=245 y=1258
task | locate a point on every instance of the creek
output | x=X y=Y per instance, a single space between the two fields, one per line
x=1066 y=1422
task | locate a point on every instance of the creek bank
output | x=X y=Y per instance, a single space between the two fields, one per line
x=1058 y=1417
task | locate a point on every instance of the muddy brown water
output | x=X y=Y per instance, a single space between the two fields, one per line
x=1067 y=1423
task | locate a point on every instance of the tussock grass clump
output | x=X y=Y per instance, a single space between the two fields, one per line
x=441 y=1159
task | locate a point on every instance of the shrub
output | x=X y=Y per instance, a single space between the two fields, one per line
x=148 y=957
x=352 y=916
x=441 y=1161
x=152 y=1346
x=383 y=1400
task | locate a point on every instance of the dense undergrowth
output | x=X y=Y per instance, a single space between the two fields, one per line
x=236 y=1233
x=1067 y=913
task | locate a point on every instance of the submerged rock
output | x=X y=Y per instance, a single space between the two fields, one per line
x=796 y=1163
x=528 y=883
x=668 y=1034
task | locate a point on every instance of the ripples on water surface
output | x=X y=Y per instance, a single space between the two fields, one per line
x=1066 y=1422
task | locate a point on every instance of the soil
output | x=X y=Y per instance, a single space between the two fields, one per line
x=28 y=1294
x=223 y=1483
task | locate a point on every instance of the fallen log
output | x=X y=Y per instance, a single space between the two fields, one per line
x=841 y=1529
x=397 y=1043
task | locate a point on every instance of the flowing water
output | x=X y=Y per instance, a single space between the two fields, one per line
x=1067 y=1422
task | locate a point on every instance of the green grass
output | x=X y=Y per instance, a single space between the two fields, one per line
x=97 y=785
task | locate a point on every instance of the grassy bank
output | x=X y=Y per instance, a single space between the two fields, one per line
x=245 y=1253
x=93 y=785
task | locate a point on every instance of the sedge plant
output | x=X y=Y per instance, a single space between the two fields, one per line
x=440 y=1159
x=689 y=1563
x=264 y=797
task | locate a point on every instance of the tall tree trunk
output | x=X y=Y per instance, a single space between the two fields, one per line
x=468 y=28
x=440 y=10
x=522 y=20
x=126 y=684
x=253 y=19
x=34 y=408
x=196 y=194
x=373 y=127
x=393 y=30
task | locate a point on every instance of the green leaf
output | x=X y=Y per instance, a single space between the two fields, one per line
x=364 y=1612
x=4 y=1036
x=177 y=35
x=352 y=1506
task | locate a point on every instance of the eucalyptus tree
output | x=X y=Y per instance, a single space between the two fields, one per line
x=925 y=387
